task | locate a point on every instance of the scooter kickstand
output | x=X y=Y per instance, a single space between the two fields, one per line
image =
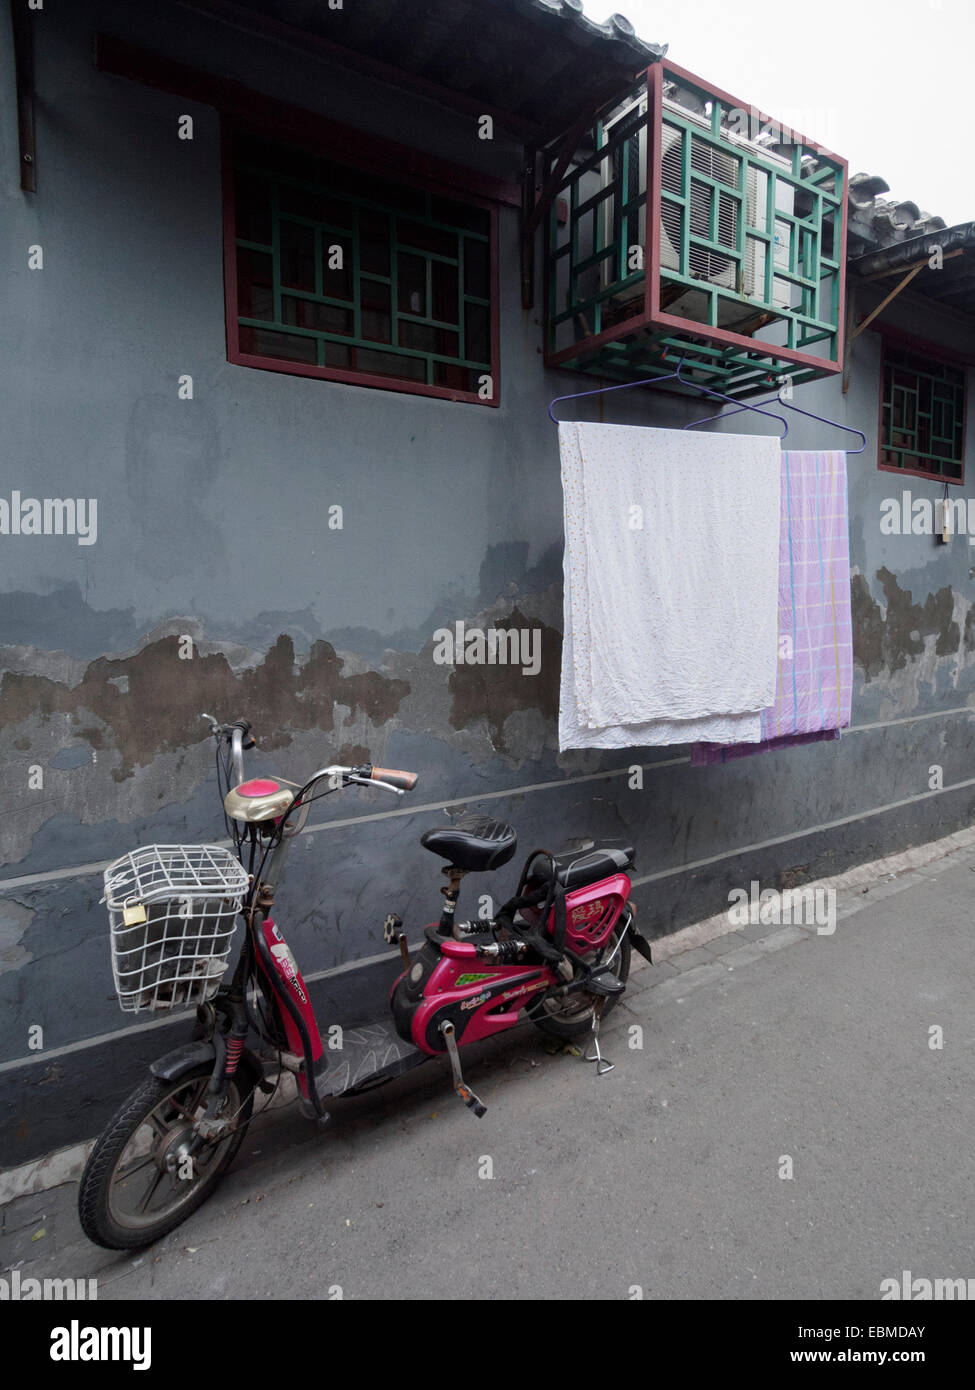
x=460 y=1086
x=603 y=1065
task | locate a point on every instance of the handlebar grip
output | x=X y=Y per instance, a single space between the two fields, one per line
x=248 y=741
x=406 y=781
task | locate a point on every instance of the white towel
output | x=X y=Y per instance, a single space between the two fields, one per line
x=671 y=585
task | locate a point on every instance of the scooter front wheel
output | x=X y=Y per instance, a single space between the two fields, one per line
x=139 y=1183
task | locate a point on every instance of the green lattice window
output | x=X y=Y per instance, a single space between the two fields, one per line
x=923 y=414
x=344 y=274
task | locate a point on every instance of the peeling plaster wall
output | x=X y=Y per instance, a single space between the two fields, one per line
x=212 y=526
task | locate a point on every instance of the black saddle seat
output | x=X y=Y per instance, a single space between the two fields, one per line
x=577 y=867
x=475 y=843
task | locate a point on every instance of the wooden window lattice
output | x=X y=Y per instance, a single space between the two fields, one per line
x=922 y=414
x=338 y=269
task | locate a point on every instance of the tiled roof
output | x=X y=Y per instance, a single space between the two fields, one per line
x=886 y=236
x=616 y=31
x=877 y=222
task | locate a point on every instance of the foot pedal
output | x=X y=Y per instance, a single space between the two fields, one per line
x=603 y=1065
x=392 y=927
x=460 y=1086
x=603 y=982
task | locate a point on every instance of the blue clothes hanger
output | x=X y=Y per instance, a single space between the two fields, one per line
x=623 y=386
x=740 y=405
x=672 y=376
x=789 y=406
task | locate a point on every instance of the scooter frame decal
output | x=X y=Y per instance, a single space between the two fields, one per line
x=289 y=978
x=473 y=1009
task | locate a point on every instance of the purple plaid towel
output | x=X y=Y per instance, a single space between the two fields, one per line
x=815 y=674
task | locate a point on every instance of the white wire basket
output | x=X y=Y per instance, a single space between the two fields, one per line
x=173 y=913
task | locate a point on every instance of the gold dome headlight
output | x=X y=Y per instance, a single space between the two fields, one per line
x=258 y=800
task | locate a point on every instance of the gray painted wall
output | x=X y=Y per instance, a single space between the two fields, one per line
x=212 y=522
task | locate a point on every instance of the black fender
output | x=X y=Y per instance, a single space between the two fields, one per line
x=193 y=1054
x=637 y=940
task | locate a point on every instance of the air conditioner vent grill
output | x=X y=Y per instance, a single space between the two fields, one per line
x=706 y=264
x=670 y=163
x=717 y=164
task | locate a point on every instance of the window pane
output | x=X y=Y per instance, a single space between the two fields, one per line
x=324 y=318
x=461 y=215
x=253 y=203
x=426 y=238
x=255 y=285
x=315 y=204
x=359 y=184
x=270 y=156
x=338 y=356
x=425 y=339
x=263 y=342
x=374 y=242
x=456 y=378
x=397 y=195
x=412 y=290
x=388 y=364
x=477 y=268
x=297 y=256
x=377 y=316
x=477 y=333
x=338 y=261
x=445 y=292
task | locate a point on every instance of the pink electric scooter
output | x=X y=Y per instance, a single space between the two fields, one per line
x=557 y=953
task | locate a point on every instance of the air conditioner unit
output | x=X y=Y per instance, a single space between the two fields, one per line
x=723 y=167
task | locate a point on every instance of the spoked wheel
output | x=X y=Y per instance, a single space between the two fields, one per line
x=139 y=1183
x=571 y=1017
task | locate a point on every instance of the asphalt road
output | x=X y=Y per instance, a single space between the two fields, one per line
x=664 y=1176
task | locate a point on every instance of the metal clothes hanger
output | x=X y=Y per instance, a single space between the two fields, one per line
x=623 y=386
x=789 y=406
x=739 y=405
x=674 y=376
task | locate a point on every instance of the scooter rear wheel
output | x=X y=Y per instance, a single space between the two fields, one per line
x=572 y=1017
x=130 y=1195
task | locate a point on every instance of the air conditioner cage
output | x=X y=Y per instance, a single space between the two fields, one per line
x=686 y=227
x=172 y=917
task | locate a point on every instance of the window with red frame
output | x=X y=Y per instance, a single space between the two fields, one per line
x=922 y=424
x=347 y=275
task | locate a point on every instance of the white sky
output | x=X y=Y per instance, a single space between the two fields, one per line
x=888 y=85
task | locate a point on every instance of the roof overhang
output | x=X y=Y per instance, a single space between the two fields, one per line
x=532 y=64
x=941 y=266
